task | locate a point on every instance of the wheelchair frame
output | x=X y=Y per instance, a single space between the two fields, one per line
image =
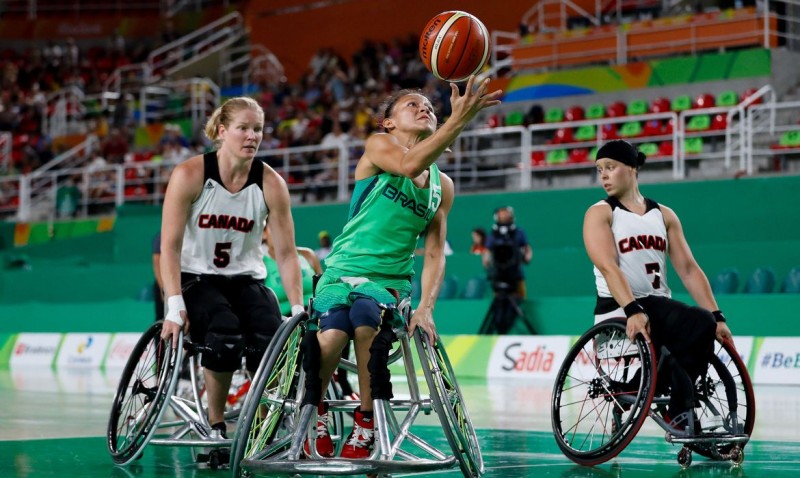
x=275 y=422
x=619 y=378
x=149 y=381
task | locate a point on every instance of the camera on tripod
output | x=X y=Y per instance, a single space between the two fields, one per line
x=504 y=271
x=506 y=259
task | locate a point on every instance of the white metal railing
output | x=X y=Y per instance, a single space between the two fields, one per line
x=542 y=15
x=6 y=143
x=617 y=46
x=196 y=98
x=736 y=136
x=213 y=37
x=509 y=157
x=64 y=112
x=764 y=134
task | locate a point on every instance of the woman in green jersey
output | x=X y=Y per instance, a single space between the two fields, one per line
x=399 y=195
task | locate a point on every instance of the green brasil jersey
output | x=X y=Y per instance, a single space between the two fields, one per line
x=387 y=215
x=273 y=281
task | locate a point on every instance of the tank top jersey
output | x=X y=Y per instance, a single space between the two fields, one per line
x=642 y=245
x=223 y=234
x=387 y=215
x=274 y=282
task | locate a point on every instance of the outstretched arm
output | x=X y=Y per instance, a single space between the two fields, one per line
x=383 y=152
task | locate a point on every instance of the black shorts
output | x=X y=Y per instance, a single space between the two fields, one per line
x=238 y=305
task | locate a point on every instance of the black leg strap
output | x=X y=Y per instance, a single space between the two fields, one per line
x=380 y=377
x=311 y=362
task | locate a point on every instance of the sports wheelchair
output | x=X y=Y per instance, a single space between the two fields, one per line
x=148 y=382
x=280 y=410
x=606 y=388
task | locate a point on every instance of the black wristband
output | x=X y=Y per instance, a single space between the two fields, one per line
x=633 y=308
x=718 y=316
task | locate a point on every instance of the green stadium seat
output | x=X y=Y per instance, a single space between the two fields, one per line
x=596 y=111
x=693 y=145
x=791 y=283
x=699 y=123
x=449 y=289
x=556 y=156
x=681 y=102
x=631 y=129
x=593 y=153
x=649 y=149
x=761 y=281
x=515 y=118
x=475 y=288
x=727 y=98
x=554 y=115
x=790 y=139
x=587 y=132
x=637 y=107
x=726 y=282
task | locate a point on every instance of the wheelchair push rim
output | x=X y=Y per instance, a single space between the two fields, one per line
x=448 y=401
x=148 y=380
x=602 y=393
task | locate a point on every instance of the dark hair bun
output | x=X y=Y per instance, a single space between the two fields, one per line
x=640 y=158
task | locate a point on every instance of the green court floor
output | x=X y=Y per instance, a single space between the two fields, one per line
x=508 y=454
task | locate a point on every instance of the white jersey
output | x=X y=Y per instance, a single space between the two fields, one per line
x=223 y=234
x=641 y=243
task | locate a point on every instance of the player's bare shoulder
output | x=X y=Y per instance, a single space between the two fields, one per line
x=189 y=174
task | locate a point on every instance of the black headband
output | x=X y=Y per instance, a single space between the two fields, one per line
x=622 y=151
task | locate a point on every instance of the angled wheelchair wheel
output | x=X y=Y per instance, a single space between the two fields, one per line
x=264 y=428
x=726 y=398
x=148 y=380
x=602 y=393
x=448 y=401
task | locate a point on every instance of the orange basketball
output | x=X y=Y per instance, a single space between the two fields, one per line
x=454 y=45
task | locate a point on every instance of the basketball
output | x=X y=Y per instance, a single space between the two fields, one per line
x=454 y=45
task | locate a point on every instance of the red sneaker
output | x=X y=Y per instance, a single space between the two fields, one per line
x=361 y=440
x=324 y=442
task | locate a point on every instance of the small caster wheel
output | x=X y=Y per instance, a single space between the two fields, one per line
x=737 y=455
x=685 y=457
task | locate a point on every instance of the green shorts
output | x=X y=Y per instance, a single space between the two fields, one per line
x=338 y=289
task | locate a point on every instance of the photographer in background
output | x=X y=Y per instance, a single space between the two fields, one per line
x=507 y=249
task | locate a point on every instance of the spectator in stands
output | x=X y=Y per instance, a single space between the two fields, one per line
x=374 y=252
x=478 y=246
x=115 y=146
x=324 y=245
x=68 y=198
x=216 y=265
x=628 y=238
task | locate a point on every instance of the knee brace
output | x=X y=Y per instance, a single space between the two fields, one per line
x=378 y=365
x=224 y=352
x=256 y=346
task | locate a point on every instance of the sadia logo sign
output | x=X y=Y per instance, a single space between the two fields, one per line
x=120 y=349
x=520 y=356
x=34 y=350
x=83 y=350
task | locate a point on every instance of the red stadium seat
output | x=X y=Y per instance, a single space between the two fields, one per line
x=578 y=155
x=719 y=122
x=660 y=105
x=609 y=132
x=748 y=93
x=563 y=135
x=616 y=109
x=537 y=158
x=653 y=128
x=705 y=100
x=574 y=113
x=665 y=148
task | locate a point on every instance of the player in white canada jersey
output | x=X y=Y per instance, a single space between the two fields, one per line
x=628 y=238
x=215 y=209
x=641 y=243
